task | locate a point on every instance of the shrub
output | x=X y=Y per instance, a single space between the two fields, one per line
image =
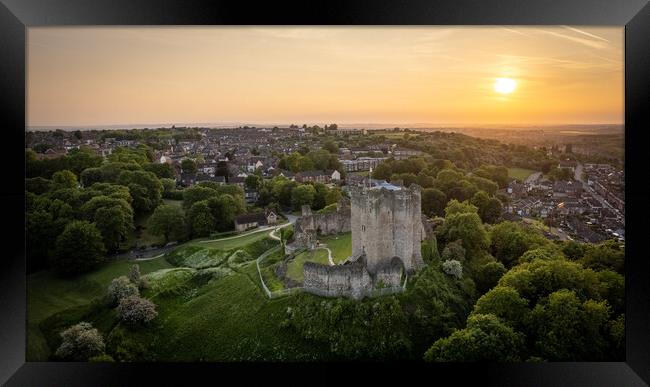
x=134 y=310
x=80 y=342
x=121 y=288
x=136 y=278
x=454 y=251
x=453 y=268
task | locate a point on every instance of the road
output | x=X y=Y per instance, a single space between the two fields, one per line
x=595 y=194
x=145 y=255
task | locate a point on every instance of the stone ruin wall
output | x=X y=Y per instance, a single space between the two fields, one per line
x=349 y=280
x=310 y=225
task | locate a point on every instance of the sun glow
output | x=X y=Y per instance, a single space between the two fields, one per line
x=505 y=85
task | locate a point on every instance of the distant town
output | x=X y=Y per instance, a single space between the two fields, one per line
x=586 y=202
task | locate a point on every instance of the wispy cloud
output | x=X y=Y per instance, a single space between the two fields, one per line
x=515 y=31
x=586 y=33
x=585 y=42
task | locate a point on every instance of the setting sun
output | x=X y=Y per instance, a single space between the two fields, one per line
x=505 y=85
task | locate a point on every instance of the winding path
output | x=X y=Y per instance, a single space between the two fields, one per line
x=329 y=253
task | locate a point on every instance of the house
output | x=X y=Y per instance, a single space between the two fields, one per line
x=318 y=176
x=202 y=177
x=247 y=221
x=567 y=164
x=253 y=166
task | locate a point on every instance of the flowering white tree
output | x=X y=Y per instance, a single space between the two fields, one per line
x=120 y=288
x=453 y=268
x=134 y=310
x=80 y=342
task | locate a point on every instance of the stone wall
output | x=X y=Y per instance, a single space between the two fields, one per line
x=351 y=279
x=309 y=226
x=386 y=223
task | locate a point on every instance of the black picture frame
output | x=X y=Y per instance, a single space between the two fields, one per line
x=17 y=15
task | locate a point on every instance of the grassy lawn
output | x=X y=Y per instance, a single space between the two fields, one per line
x=211 y=307
x=294 y=269
x=520 y=173
x=228 y=243
x=229 y=319
x=340 y=244
x=48 y=294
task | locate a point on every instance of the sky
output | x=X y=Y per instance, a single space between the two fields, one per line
x=80 y=76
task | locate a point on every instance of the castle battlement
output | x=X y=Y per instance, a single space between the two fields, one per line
x=387 y=231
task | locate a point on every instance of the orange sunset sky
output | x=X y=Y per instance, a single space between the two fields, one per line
x=316 y=75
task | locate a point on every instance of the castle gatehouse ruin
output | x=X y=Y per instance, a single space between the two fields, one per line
x=387 y=230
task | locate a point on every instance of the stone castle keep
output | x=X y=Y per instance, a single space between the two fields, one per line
x=387 y=230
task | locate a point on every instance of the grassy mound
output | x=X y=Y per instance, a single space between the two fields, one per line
x=169 y=280
x=49 y=294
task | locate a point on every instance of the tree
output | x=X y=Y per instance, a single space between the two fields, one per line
x=568 y=329
x=168 y=221
x=79 y=248
x=162 y=170
x=64 y=179
x=430 y=252
x=510 y=240
x=453 y=268
x=189 y=166
x=433 y=202
x=222 y=169
x=606 y=255
x=505 y=303
x=77 y=134
x=302 y=195
x=135 y=277
x=136 y=311
x=115 y=223
x=252 y=182
x=454 y=251
x=90 y=176
x=38 y=185
x=80 y=342
x=489 y=208
x=197 y=193
x=485 y=339
x=456 y=207
x=331 y=147
x=333 y=196
x=468 y=228
x=120 y=288
x=145 y=189
x=200 y=219
x=487 y=276
x=224 y=209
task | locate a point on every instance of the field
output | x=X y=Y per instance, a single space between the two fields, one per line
x=208 y=296
x=520 y=173
x=341 y=246
x=47 y=294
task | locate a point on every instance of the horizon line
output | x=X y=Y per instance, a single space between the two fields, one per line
x=359 y=125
